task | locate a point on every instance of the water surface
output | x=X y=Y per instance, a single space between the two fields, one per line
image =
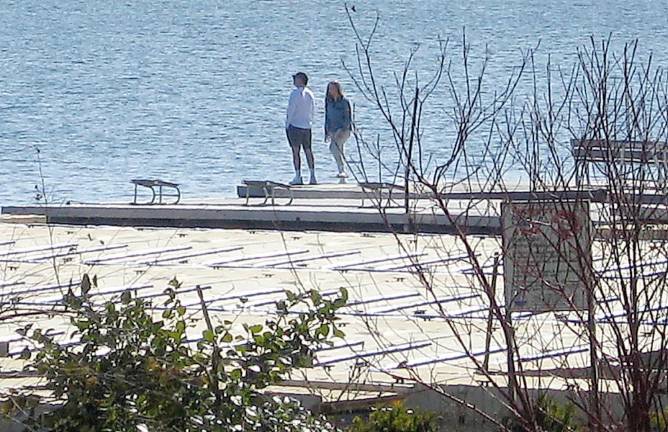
x=195 y=92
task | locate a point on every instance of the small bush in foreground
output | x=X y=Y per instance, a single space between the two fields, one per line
x=396 y=418
x=550 y=416
x=134 y=369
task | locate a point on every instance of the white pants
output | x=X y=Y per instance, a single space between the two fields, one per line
x=336 y=147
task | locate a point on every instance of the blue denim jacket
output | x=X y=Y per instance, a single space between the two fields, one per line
x=337 y=115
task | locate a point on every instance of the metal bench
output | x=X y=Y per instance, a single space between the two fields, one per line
x=269 y=188
x=631 y=160
x=156 y=186
x=377 y=188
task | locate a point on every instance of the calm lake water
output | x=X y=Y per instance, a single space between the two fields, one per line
x=195 y=91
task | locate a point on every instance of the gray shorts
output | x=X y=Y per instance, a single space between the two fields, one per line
x=299 y=138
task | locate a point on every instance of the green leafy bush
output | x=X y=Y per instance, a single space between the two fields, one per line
x=396 y=418
x=134 y=368
x=659 y=421
x=550 y=416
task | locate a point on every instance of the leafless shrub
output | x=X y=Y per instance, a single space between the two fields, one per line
x=590 y=135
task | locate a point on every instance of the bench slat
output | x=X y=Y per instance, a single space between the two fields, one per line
x=153 y=182
x=611 y=150
x=380 y=185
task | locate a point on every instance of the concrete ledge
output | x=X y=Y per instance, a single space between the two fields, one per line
x=340 y=191
x=271 y=218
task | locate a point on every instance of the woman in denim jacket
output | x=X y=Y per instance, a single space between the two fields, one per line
x=338 y=124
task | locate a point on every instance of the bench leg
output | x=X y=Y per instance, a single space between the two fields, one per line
x=134 y=201
x=178 y=195
x=364 y=192
x=247 y=195
x=266 y=195
x=153 y=197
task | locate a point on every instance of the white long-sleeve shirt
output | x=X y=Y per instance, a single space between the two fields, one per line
x=301 y=108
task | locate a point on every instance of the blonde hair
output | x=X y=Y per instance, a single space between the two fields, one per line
x=339 y=89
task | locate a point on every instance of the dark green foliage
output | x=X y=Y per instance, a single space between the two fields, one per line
x=135 y=368
x=550 y=416
x=396 y=418
x=659 y=421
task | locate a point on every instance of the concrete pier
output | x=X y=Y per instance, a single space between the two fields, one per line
x=295 y=218
x=328 y=207
x=324 y=208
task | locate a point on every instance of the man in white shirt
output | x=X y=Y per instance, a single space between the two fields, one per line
x=301 y=107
